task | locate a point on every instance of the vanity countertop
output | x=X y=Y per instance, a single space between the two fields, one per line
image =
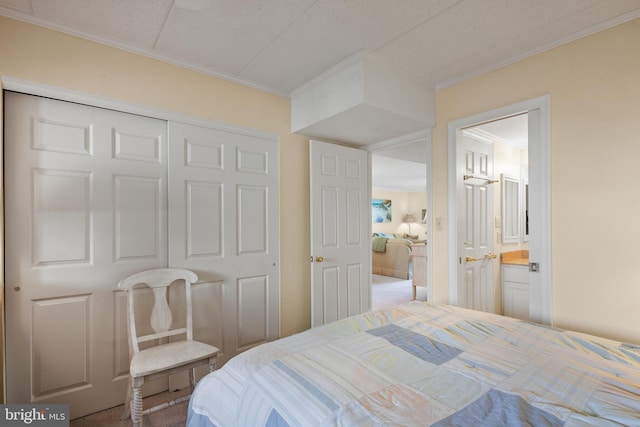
x=515 y=257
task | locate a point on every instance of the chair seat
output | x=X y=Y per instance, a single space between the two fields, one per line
x=167 y=356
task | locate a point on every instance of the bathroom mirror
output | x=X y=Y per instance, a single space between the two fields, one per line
x=510 y=201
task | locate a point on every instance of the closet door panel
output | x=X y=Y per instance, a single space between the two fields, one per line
x=203 y=221
x=138 y=234
x=85 y=198
x=224 y=225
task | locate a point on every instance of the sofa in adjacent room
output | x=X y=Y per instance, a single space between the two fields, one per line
x=391 y=256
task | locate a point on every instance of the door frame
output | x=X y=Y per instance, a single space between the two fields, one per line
x=541 y=296
x=426 y=136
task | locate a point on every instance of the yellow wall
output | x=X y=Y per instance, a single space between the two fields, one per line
x=594 y=84
x=39 y=55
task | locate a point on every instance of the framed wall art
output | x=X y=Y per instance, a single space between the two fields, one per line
x=381 y=210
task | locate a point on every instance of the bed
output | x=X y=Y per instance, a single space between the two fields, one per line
x=419 y=364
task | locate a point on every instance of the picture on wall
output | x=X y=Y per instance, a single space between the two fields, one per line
x=381 y=210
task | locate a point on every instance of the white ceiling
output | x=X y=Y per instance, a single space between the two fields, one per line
x=277 y=45
x=394 y=174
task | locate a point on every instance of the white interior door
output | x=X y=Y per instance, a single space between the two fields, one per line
x=340 y=230
x=540 y=238
x=475 y=225
x=85 y=204
x=223 y=224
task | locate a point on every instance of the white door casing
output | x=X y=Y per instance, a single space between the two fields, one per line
x=85 y=200
x=223 y=225
x=540 y=285
x=538 y=109
x=340 y=230
x=475 y=224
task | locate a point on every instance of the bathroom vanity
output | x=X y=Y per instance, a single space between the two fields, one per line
x=515 y=284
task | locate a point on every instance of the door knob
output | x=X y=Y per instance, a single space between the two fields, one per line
x=319 y=259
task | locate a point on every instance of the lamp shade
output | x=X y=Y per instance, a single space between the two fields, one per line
x=408 y=218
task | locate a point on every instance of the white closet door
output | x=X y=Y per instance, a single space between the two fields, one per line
x=85 y=203
x=223 y=224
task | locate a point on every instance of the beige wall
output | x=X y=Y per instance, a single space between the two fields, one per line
x=35 y=54
x=594 y=85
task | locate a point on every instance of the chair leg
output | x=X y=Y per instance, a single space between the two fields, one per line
x=212 y=363
x=127 y=403
x=136 y=410
x=192 y=379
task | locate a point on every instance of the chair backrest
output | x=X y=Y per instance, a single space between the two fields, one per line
x=159 y=281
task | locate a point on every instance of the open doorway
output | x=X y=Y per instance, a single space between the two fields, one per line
x=493 y=218
x=399 y=222
x=538 y=200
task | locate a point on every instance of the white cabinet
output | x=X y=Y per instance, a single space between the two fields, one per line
x=419 y=256
x=515 y=291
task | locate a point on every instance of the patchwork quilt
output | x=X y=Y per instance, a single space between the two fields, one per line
x=419 y=364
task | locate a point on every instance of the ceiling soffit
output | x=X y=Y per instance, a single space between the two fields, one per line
x=362 y=100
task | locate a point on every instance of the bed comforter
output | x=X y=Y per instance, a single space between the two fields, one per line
x=420 y=364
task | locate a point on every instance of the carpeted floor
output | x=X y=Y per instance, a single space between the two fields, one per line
x=171 y=417
x=387 y=291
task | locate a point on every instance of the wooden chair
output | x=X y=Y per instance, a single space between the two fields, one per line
x=166 y=358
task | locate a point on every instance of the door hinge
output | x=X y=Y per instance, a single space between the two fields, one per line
x=534 y=267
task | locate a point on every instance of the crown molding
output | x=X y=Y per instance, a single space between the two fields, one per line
x=146 y=52
x=609 y=23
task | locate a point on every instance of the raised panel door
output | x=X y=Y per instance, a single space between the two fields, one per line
x=224 y=226
x=85 y=197
x=475 y=225
x=340 y=211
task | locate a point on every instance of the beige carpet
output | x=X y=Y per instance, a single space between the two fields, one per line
x=171 y=417
x=388 y=291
